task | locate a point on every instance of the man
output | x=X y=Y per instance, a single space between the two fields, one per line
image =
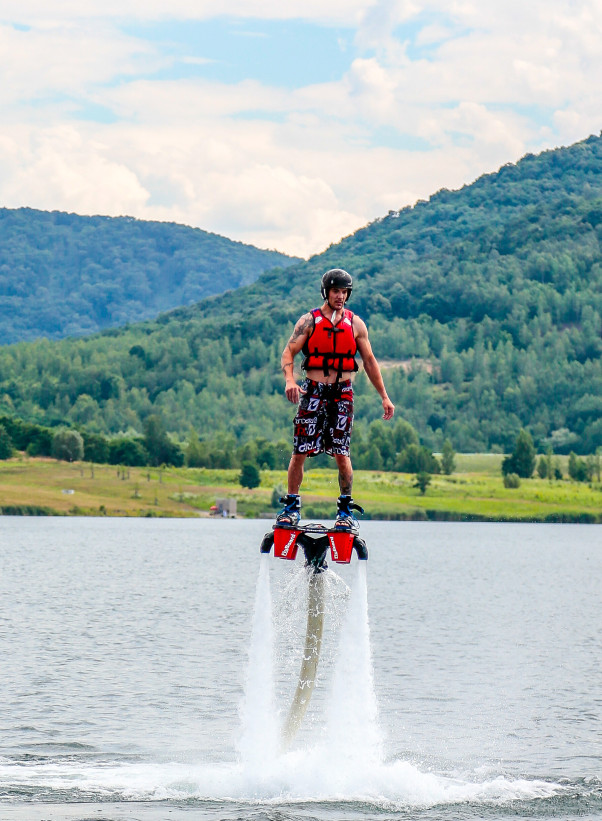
x=329 y=337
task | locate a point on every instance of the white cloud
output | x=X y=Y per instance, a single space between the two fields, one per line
x=373 y=88
x=66 y=59
x=61 y=169
x=435 y=33
x=379 y=20
x=257 y=184
x=325 y=11
x=433 y=95
x=188 y=101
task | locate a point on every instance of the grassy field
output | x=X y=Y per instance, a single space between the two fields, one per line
x=475 y=491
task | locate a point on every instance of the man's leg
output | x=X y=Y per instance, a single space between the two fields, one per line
x=291 y=512
x=345 y=473
x=295 y=472
x=345 y=519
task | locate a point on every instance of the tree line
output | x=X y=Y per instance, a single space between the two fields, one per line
x=484 y=306
x=378 y=446
x=522 y=463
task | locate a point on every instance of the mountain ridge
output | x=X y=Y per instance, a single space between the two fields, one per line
x=498 y=285
x=64 y=274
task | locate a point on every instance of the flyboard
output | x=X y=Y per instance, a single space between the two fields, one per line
x=316 y=541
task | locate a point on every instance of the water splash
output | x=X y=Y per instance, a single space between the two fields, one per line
x=342 y=763
x=301 y=776
x=352 y=730
x=311 y=658
x=259 y=738
x=343 y=760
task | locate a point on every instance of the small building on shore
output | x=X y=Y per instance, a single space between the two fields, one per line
x=225 y=508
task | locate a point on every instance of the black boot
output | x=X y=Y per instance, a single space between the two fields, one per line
x=345 y=519
x=291 y=512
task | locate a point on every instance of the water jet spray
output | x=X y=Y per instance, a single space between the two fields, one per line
x=316 y=541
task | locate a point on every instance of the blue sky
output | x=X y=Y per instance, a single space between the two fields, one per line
x=284 y=125
x=297 y=53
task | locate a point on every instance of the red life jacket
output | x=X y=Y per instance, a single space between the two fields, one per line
x=331 y=346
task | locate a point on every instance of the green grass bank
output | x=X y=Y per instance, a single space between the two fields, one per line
x=475 y=492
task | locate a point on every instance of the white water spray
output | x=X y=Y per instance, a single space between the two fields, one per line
x=311 y=658
x=259 y=739
x=343 y=760
x=352 y=727
x=341 y=763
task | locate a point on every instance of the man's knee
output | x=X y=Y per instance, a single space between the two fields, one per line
x=344 y=464
x=297 y=459
x=345 y=474
x=342 y=459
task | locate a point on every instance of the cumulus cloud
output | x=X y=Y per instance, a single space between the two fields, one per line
x=58 y=168
x=379 y=21
x=330 y=11
x=433 y=94
x=253 y=185
x=65 y=59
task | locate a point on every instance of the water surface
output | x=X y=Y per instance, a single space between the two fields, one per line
x=124 y=647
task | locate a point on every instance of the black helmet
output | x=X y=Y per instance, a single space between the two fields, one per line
x=336 y=278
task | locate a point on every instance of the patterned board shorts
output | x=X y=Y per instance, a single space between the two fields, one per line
x=324 y=418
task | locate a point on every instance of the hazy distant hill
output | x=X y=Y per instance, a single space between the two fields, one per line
x=484 y=304
x=67 y=275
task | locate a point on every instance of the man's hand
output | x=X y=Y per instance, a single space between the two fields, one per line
x=293 y=392
x=388 y=407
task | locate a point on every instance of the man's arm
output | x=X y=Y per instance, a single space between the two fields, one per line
x=371 y=366
x=293 y=346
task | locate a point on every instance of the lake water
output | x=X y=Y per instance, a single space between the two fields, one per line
x=136 y=683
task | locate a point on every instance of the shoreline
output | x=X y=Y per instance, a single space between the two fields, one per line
x=474 y=493
x=419 y=516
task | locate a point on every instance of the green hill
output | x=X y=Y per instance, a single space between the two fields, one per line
x=68 y=275
x=483 y=304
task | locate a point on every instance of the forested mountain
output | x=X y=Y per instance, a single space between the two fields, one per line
x=68 y=275
x=483 y=304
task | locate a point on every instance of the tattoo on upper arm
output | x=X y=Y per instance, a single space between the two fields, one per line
x=302 y=327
